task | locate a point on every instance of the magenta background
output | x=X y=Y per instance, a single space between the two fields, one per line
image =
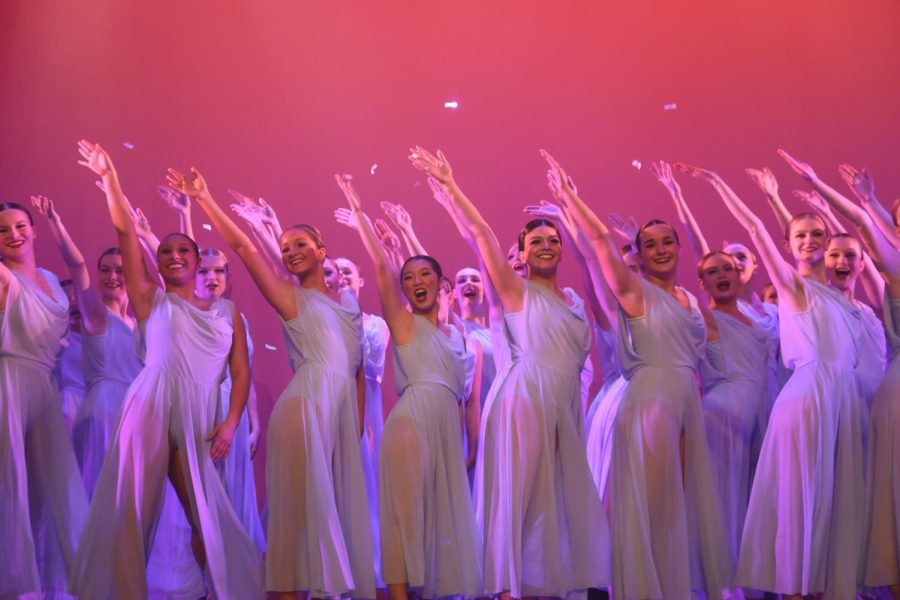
x=272 y=98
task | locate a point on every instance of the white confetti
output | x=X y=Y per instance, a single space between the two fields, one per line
x=270 y=347
x=672 y=106
x=128 y=145
x=207 y=226
x=372 y=170
x=451 y=104
x=636 y=164
x=346 y=176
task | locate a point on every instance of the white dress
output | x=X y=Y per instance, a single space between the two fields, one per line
x=805 y=525
x=543 y=527
x=428 y=535
x=319 y=537
x=69 y=374
x=111 y=365
x=42 y=500
x=601 y=415
x=174 y=399
x=665 y=515
x=237 y=468
x=883 y=551
x=735 y=409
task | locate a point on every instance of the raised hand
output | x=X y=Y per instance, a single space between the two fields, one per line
x=765 y=179
x=801 y=168
x=141 y=224
x=193 y=186
x=178 y=202
x=698 y=172
x=398 y=214
x=434 y=166
x=44 y=206
x=627 y=229
x=241 y=198
x=859 y=181
x=386 y=235
x=663 y=173
x=249 y=213
x=267 y=213
x=546 y=210
x=814 y=200
x=349 y=193
x=345 y=217
x=440 y=194
x=95 y=158
x=558 y=180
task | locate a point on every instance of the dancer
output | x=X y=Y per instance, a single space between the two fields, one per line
x=319 y=539
x=167 y=419
x=542 y=524
x=882 y=564
x=41 y=494
x=428 y=533
x=69 y=371
x=665 y=517
x=804 y=522
x=110 y=360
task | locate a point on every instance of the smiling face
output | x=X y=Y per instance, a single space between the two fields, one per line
x=332 y=274
x=299 y=252
x=469 y=289
x=744 y=259
x=843 y=262
x=16 y=234
x=212 y=277
x=658 y=253
x=719 y=277
x=177 y=258
x=420 y=284
x=349 y=272
x=515 y=261
x=806 y=238
x=542 y=250
x=111 y=280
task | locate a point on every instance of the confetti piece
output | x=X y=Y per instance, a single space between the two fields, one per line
x=636 y=164
x=128 y=145
x=672 y=106
x=207 y=226
x=346 y=176
x=451 y=104
x=270 y=347
x=372 y=170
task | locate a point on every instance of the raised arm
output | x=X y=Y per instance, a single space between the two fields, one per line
x=765 y=179
x=623 y=283
x=93 y=311
x=784 y=277
x=271 y=250
x=276 y=291
x=181 y=204
x=140 y=286
x=399 y=215
x=509 y=286
x=663 y=173
x=862 y=185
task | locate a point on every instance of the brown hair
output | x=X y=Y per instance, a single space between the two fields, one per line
x=651 y=223
x=709 y=255
x=804 y=215
x=312 y=231
x=17 y=206
x=531 y=226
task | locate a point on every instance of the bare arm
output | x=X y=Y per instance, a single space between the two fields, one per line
x=399 y=215
x=181 y=204
x=509 y=286
x=263 y=236
x=790 y=286
x=239 y=365
x=473 y=411
x=766 y=181
x=663 y=173
x=276 y=291
x=140 y=287
x=862 y=185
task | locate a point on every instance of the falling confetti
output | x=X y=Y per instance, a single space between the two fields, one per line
x=672 y=106
x=451 y=104
x=636 y=164
x=207 y=226
x=346 y=176
x=270 y=347
x=128 y=145
x=372 y=170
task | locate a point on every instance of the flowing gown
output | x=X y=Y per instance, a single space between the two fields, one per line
x=665 y=515
x=174 y=399
x=70 y=375
x=320 y=539
x=428 y=535
x=42 y=500
x=805 y=521
x=111 y=365
x=602 y=412
x=543 y=528
x=882 y=565
x=237 y=468
x=735 y=409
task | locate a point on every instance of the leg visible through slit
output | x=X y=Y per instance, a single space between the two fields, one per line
x=180 y=483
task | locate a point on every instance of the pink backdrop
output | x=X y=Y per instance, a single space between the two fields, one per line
x=272 y=98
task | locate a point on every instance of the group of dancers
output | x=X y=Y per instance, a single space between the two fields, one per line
x=744 y=442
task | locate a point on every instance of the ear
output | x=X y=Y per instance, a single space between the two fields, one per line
x=787 y=247
x=361 y=281
x=321 y=253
